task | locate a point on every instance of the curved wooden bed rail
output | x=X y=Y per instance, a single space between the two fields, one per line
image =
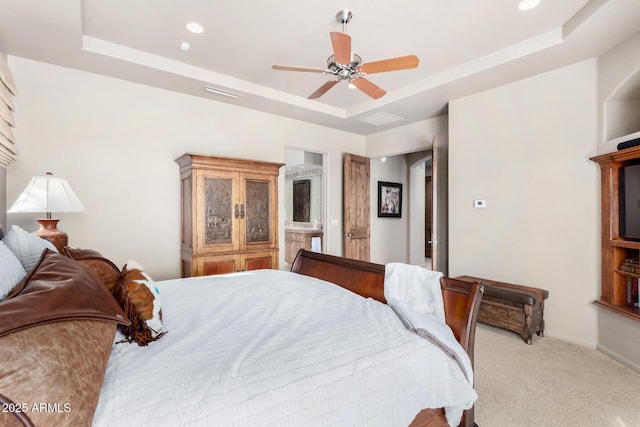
x=461 y=306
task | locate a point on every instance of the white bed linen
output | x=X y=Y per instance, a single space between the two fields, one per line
x=414 y=287
x=272 y=348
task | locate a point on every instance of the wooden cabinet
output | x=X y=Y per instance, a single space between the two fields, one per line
x=294 y=240
x=229 y=214
x=615 y=248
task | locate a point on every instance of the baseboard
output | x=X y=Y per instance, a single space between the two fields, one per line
x=615 y=356
x=571 y=339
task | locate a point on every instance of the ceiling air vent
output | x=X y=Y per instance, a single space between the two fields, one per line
x=380 y=119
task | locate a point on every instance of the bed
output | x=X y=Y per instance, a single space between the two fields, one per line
x=262 y=347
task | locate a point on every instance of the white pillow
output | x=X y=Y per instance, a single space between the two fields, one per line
x=11 y=271
x=26 y=246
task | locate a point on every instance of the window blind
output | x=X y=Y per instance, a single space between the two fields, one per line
x=7 y=92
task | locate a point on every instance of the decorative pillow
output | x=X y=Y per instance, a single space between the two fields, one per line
x=102 y=268
x=56 y=334
x=55 y=371
x=140 y=300
x=26 y=246
x=57 y=289
x=11 y=271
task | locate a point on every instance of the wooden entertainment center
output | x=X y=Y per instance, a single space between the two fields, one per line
x=615 y=248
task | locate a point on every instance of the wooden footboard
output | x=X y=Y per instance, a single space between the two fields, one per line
x=461 y=306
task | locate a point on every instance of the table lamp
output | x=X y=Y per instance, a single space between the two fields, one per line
x=48 y=194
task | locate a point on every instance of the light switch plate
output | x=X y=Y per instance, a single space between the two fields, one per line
x=479 y=203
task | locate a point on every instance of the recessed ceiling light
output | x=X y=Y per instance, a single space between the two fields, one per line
x=195 y=28
x=184 y=46
x=528 y=4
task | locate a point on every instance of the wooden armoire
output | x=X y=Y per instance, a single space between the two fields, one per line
x=229 y=214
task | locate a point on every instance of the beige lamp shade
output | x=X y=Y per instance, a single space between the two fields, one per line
x=47 y=194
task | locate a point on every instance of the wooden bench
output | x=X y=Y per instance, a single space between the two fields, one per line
x=516 y=308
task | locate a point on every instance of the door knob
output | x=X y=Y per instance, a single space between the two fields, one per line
x=347 y=234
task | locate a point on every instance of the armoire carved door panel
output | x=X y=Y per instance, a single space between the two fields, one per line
x=216 y=220
x=257 y=211
x=218 y=211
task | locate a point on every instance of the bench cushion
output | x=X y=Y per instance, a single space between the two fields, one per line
x=510 y=295
x=511 y=292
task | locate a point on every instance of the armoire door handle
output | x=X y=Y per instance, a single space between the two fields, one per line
x=242 y=211
x=237 y=214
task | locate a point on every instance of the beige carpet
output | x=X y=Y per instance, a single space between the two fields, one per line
x=550 y=383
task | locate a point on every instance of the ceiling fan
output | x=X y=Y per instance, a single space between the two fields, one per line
x=345 y=65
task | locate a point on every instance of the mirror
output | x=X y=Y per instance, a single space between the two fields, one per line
x=304 y=195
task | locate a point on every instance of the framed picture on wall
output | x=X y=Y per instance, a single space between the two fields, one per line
x=389 y=200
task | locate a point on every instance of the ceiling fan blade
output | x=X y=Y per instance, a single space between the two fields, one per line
x=400 y=63
x=341 y=43
x=306 y=69
x=369 y=88
x=323 y=89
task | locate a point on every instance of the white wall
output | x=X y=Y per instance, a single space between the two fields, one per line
x=116 y=141
x=525 y=148
x=388 y=235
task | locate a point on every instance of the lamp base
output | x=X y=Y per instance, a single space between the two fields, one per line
x=49 y=231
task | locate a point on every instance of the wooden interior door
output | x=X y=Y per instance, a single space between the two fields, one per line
x=439 y=212
x=356 y=207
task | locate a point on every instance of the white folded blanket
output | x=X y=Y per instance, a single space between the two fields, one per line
x=414 y=287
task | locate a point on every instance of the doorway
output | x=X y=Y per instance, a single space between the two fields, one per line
x=304 y=203
x=407 y=237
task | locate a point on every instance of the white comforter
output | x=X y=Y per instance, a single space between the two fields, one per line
x=272 y=348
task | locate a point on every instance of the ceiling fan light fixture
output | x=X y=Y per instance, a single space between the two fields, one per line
x=528 y=4
x=343 y=64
